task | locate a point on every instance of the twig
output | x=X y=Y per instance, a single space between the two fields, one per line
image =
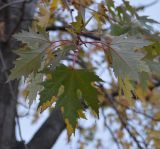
x=63 y=28
x=120 y=117
x=147 y=5
x=110 y=130
x=136 y=111
x=140 y=135
x=12 y=3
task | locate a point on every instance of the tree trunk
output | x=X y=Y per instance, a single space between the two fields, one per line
x=14 y=17
x=11 y=20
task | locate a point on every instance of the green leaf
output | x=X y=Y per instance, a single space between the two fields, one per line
x=32 y=39
x=129 y=7
x=152 y=50
x=154 y=66
x=79 y=23
x=144 y=77
x=61 y=54
x=29 y=58
x=77 y=26
x=34 y=87
x=73 y=82
x=127 y=62
x=125 y=86
x=29 y=61
x=117 y=30
x=110 y=3
x=146 y=19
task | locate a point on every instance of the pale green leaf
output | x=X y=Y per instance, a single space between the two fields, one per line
x=34 y=87
x=32 y=39
x=29 y=61
x=154 y=66
x=127 y=62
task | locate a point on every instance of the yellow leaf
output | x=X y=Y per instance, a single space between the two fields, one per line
x=81 y=114
x=47 y=104
x=125 y=102
x=54 y=5
x=69 y=128
x=157 y=116
x=154 y=134
x=79 y=3
x=49 y=56
x=44 y=16
x=126 y=86
x=109 y=57
x=49 y=76
x=120 y=134
x=94 y=113
x=60 y=91
x=96 y=16
x=140 y=93
x=62 y=109
x=25 y=93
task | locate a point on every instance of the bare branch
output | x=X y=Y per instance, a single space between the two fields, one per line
x=49 y=132
x=63 y=28
x=12 y=3
x=110 y=130
x=124 y=124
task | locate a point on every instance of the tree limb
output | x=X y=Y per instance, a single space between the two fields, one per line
x=63 y=28
x=12 y=3
x=49 y=132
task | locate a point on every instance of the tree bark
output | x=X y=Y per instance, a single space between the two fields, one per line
x=13 y=18
x=49 y=132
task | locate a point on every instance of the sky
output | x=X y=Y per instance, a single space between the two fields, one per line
x=28 y=129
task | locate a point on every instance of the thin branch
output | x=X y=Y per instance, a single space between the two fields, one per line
x=147 y=5
x=70 y=10
x=102 y=14
x=110 y=130
x=120 y=117
x=125 y=125
x=19 y=130
x=12 y=3
x=49 y=132
x=140 y=135
x=63 y=28
x=139 y=112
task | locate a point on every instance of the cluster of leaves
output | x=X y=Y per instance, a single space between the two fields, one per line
x=131 y=50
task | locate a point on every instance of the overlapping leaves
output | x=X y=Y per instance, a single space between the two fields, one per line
x=28 y=62
x=34 y=87
x=31 y=56
x=32 y=39
x=152 y=50
x=70 y=89
x=128 y=65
